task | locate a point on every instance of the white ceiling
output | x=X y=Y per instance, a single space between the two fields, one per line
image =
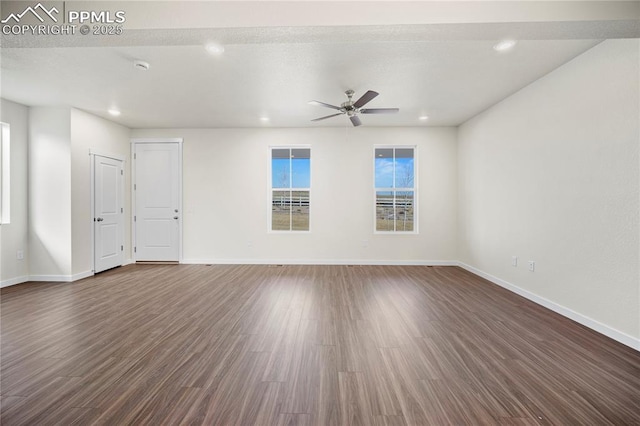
x=447 y=70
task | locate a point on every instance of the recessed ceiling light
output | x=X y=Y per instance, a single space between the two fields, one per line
x=114 y=112
x=504 y=45
x=264 y=119
x=214 y=48
x=423 y=118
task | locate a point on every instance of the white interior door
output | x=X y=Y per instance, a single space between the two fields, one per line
x=108 y=220
x=157 y=185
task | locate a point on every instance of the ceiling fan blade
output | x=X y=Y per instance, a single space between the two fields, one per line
x=328 y=116
x=323 y=104
x=355 y=120
x=379 y=110
x=365 y=98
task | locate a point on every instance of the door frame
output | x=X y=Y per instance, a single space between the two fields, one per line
x=134 y=142
x=92 y=190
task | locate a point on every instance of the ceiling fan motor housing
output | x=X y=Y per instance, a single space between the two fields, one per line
x=351 y=110
x=348 y=105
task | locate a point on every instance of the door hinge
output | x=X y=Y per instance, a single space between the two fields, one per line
x=135 y=249
x=121 y=248
x=121 y=210
x=134 y=186
x=134 y=156
x=122 y=172
x=134 y=218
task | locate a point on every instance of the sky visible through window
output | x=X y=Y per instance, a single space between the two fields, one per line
x=299 y=173
x=403 y=173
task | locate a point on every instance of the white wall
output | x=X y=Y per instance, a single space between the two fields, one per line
x=49 y=193
x=226 y=196
x=14 y=236
x=95 y=134
x=551 y=174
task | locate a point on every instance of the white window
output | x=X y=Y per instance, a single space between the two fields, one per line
x=395 y=189
x=5 y=174
x=290 y=188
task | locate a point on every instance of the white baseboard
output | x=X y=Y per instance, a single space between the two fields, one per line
x=81 y=275
x=51 y=278
x=319 y=262
x=619 y=336
x=14 y=281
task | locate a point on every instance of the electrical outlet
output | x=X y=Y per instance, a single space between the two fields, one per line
x=532 y=265
x=20 y=255
x=514 y=261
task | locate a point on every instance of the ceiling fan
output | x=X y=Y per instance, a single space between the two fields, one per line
x=352 y=109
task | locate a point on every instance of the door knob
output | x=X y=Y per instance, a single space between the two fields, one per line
x=175 y=217
x=99 y=219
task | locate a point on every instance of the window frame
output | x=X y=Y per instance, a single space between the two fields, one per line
x=415 y=230
x=271 y=189
x=5 y=173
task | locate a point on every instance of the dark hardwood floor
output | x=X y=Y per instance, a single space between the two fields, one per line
x=373 y=345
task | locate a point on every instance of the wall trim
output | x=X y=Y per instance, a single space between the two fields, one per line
x=612 y=333
x=81 y=275
x=319 y=262
x=14 y=281
x=50 y=278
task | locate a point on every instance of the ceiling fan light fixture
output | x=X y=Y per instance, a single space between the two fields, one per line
x=504 y=45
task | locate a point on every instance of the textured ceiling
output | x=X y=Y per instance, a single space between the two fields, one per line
x=448 y=71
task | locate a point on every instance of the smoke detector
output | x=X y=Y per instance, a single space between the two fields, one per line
x=141 y=65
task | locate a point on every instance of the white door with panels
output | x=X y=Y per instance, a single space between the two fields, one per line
x=108 y=219
x=157 y=193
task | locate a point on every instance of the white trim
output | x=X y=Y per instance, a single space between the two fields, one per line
x=416 y=230
x=614 y=334
x=320 y=262
x=102 y=154
x=5 y=179
x=51 y=278
x=14 y=281
x=61 y=278
x=271 y=189
x=156 y=140
x=82 y=275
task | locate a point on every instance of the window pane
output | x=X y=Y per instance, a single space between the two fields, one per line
x=384 y=211
x=404 y=171
x=281 y=211
x=281 y=153
x=300 y=210
x=384 y=168
x=404 y=210
x=404 y=152
x=280 y=170
x=301 y=167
